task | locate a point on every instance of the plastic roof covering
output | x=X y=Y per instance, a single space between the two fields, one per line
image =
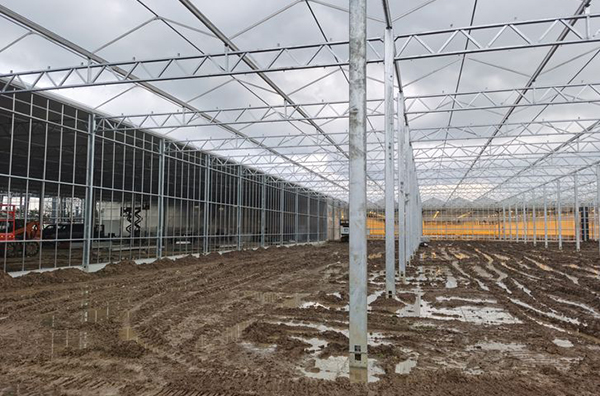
x=509 y=167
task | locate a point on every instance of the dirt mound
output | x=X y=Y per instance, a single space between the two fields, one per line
x=123 y=268
x=52 y=277
x=383 y=301
x=7 y=281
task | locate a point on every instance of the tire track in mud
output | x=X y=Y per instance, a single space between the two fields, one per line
x=172 y=308
x=536 y=289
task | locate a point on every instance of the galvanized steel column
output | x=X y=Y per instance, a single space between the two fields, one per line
x=545 y=218
x=207 y=192
x=510 y=222
x=524 y=220
x=160 y=228
x=598 y=204
x=88 y=221
x=239 y=208
x=308 y=199
x=559 y=214
x=281 y=212
x=401 y=186
x=504 y=222
x=358 y=191
x=297 y=217
x=576 y=218
x=319 y=219
x=263 y=213
x=390 y=218
x=534 y=221
x=517 y=222
x=407 y=196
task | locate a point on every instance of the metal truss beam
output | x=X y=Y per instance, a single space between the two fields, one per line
x=124 y=76
x=229 y=63
x=562 y=94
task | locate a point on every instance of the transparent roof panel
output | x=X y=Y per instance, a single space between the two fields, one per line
x=493 y=110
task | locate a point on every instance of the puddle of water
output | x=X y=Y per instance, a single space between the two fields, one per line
x=593 y=272
x=525 y=274
x=406 y=366
x=459 y=255
x=451 y=282
x=372 y=297
x=503 y=286
x=563 y=343
x=445 y=254
x=540 y=265
x=338 y=366
x=547 y=314
x=483 y=273
x=266 y=349
x=550 y=269
x=591 y=310
x=472 y=300
x=501 y=275
x=487 y=256
x=523 y=288
x=316 y=344
x=373 y=338
x=370 y=300
x=312 y=304
x=548 y=325
x=470 y=314
x=294 y=300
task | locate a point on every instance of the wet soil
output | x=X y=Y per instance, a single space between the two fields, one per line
x=471 y=318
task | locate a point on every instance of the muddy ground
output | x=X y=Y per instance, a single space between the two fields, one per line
x=470 y=319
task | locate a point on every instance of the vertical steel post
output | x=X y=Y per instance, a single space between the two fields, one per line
x=517 y=222
x=559 y=214
x=576 y=218
x=504 y=222
x=545 y=218
x=534 y=221
x=525 y=220
x=207 y=192
x=401 y=186
x=358 y=191
x=390 y=218
x=407 y=198
x=160 y=227
x=281 y=212
x=319 y=219
x=297 y=218
x=239 y=207
x=308 y=221
x=263 y=208
x=598 y=204
x=510 y=222
x=88 y=218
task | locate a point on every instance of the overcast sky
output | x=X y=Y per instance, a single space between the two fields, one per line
x=94 y=23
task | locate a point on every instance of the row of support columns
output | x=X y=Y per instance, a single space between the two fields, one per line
x=522 y=215
x=409 y=204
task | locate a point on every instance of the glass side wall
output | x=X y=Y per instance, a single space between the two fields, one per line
x=148 y=196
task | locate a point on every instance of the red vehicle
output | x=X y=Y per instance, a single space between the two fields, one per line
x=15 y=235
